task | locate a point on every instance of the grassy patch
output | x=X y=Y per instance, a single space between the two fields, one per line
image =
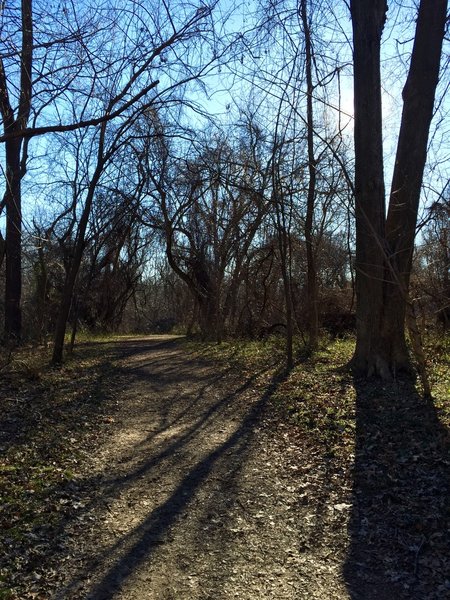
x=437 y=351
x=248 y=355
x=319 y=397
x=48 y=417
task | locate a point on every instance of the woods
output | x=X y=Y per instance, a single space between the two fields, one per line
x=225 y=300
x=218 y=193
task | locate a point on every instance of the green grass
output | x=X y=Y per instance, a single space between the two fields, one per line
x=437 y=351
x=54 y=410
x=245 y=354
x=318 y=396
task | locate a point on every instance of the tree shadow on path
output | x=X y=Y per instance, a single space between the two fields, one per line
x=138 y=545
x=399 y=528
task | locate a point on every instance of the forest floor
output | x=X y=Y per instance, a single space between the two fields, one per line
x=152 y=468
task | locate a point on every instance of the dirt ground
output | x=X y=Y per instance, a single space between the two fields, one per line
x=171 y=475
x=192 y=496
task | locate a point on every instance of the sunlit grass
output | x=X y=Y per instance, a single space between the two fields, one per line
x=437 y=352
x=53 y=406
x=319 y=394
x=246 y=354
x=318 y=397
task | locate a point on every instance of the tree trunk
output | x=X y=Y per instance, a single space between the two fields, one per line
x=69 y=285
x=65 y=304
x=41 y=295
x=15 y=170
x=73 y=335
x=284 y=247
x=418 y=103
x=384 y=248
x=311 y=276
x=368 y=18
x=13 y=285
x=289 y=321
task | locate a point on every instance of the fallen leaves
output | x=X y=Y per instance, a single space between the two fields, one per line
x=45 y=426
x=342 y=465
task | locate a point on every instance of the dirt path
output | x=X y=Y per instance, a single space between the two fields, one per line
x=191 y=496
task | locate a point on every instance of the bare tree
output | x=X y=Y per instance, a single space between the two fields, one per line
x=384 y=246
x=431 y=268
x=211 y=204
x=15 y=120
x=313 y=315
x=90 y=66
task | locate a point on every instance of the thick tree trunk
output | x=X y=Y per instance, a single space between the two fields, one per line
x=207 y=317
x=368 y=18
x=385 y=247
x=418 y=103
x=14 y=172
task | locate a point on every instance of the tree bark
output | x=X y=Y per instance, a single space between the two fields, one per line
x=418 y=103
x=285 y=257
x=311 y=275
x=384 y=247
x=13 y=283
x=15 y=170
x=368 y=17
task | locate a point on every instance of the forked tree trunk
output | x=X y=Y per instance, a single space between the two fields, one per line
x=74 y=267
x=384 y=248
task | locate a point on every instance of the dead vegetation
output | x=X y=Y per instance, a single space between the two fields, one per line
x=153 y=468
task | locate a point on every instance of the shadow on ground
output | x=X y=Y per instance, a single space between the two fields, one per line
x=192 y=437
x=399 y=527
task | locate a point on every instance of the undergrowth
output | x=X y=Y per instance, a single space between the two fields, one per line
x=47 y=418
x=318 y=396
x=437 y=351
x=49 y=415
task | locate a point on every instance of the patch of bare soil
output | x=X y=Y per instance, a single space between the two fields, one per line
x=192 y=495
x=162 y=473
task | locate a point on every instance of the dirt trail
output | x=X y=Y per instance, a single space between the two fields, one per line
x=191 y=496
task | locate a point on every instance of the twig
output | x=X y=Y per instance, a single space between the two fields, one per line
x=417 y=345
x=416 y=560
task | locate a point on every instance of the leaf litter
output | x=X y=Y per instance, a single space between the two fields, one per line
x=151 y=477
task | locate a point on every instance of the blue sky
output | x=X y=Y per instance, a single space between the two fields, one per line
x=253 y=65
